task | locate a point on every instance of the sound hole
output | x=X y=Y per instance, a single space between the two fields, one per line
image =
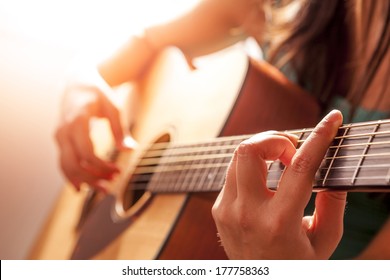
x=138 y=182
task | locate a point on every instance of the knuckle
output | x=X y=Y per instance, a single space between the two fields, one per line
x=277 y=227
x=244 y=220
x=215 y=211
x=302 y=164
x=114 y=110
x=111 y=109
x=233 y=216
x=245 y=148
x=221 y=215
x=245 y=216
x=69 y=171
x=88 y=156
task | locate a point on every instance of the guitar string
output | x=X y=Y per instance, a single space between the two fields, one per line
x=164 y=145
x=275 y=171
x=170 y=165
x=184 y=157
x=177 y=150
x=272 y=181
x=300 y=131
x=317 y=183
x=145 y=179
x=150 y=170
x=272 y=172
x=181 y=151
x=279 y=171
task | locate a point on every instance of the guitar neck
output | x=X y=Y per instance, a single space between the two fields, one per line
x=357 y=160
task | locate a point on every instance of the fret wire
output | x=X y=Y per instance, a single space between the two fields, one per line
x=181 y=178
x=157 y=178
x=205 y=175
x=201 y=174
x=197 y=173
x=335 y=154
x=365 y=150
x=301 y=135
x=219 y=173
x=212 y=174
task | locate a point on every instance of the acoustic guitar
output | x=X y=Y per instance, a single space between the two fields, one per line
x=188 y=124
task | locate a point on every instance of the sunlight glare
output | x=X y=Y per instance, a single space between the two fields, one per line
x=84 y=23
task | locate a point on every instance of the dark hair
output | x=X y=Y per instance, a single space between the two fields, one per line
x=318 y=41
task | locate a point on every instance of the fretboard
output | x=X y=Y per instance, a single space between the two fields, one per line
x=357 y=160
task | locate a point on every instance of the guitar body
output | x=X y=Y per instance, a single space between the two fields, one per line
x=226 y=95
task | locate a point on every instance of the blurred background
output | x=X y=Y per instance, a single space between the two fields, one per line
x=38 y=39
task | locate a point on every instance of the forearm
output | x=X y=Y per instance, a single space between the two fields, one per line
x=210 y=26
x=129 y=62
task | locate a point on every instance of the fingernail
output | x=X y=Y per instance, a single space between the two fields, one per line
x=335 y=116
x=129 y=142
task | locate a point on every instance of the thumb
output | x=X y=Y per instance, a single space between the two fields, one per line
x=327 y=227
